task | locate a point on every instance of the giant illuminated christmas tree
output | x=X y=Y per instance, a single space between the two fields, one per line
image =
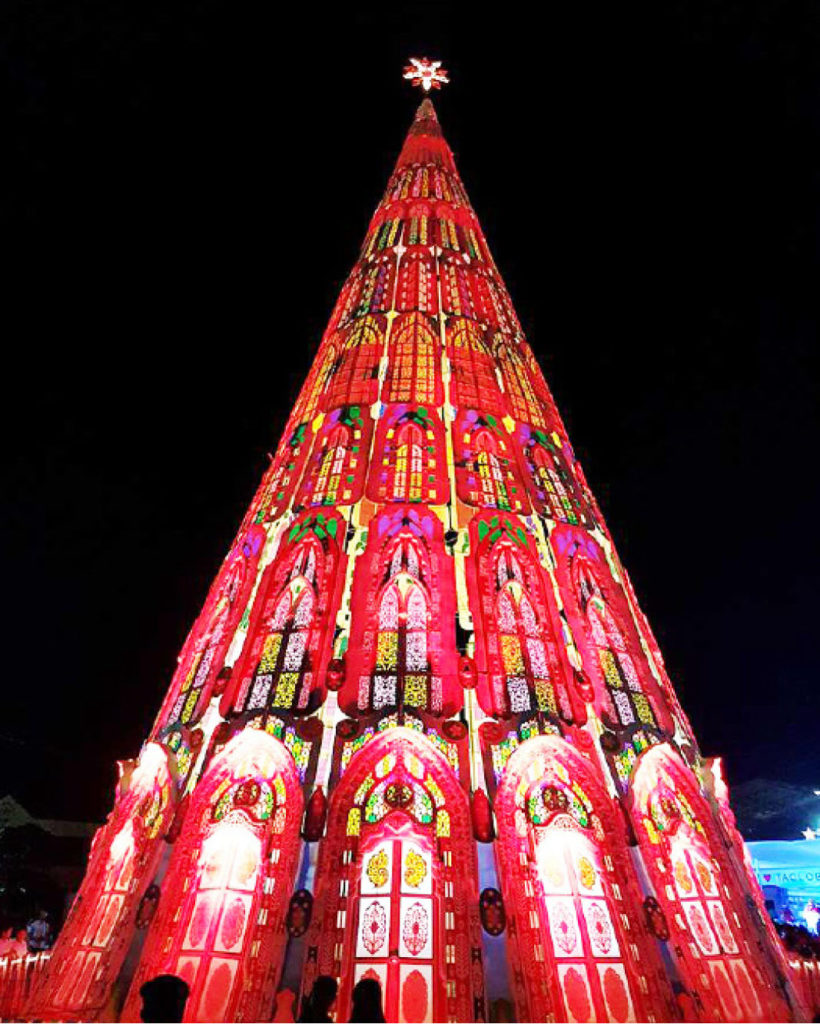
x=421 y=730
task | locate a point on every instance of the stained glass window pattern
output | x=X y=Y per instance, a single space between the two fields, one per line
x=409 y=464
x=697 y=887
x=355 y=380
x=486 y=476
x=457 y=295
x=474 y=379
x=396 y=914
x=331 y=466
x=232 y=843
x=523 y=656
x=580 y=922
x=524 y=406
x=317 y=385
x=490 y=476
x=283 y=676
x=110 y=897
x=204 y=661
x=554 y=485
x=616 y=666
x=402 y=672
x=413 y=372
x=416 y=290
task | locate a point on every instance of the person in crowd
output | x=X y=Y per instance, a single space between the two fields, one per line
x=811 y=915
x=317 y=1006
x=19 y=946
x=367 y=1002
x=6 y=941
x=164 y=999
x=38 y=933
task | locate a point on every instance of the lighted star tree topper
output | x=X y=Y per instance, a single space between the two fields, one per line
x=429 y=74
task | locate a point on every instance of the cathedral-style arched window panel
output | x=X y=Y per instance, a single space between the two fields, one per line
x=385 y=231
x=555 y=491
x=549 y=480
x=409 y=458
x=376 y=286
x=220 y=921
x=355 y=381
x=486 y=469
x=413 y=373
x=492 y=485
x=284 y=674
x=316 y=386
x=446 y=235
x=696 y=891
x=401 y=676
x=456 y=293
x=522 y=650
x=523 y=403
x=398 y=832
x=474 y=380
x=330 y=466
x=408 y=475
x=616 y=665
x=202 y=663
x=124 y=856
x=519 y=649
x=569 y=900
x=418 y=231
x=416 y=289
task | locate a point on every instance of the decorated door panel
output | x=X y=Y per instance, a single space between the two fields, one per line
x=396 y=927
x=592 y=980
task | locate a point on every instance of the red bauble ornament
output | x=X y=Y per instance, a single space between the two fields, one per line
x=482 y=817
x=467 y=673
x=315 y=816
x=584 y=687
x=336 y=674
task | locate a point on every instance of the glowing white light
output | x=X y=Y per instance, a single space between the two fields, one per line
x=809 y=833
x=429 y=74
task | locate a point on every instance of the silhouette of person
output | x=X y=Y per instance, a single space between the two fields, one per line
x=316 y=1007
x=164 y=999
x=367 y=1002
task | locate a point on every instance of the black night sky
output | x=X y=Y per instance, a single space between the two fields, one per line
x=187 y=186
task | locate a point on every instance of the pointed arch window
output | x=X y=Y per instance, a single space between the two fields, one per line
x=355 y=381
x=409 y=464
x=402 y=673
x=204 y=659
x=418 y=232
x=376 y=286
x=283 y=676
x=552 y=481
x=331 y=467
x=412 y=374
x=616 y=664
x=318 y=384
x=690 y=888
x=524 y=404
x=476 y=385
x=417 y=285
x=490 y=476
x=523 y=655
x=577 y=908
x=224 y=898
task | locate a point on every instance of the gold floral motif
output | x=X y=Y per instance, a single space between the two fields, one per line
x=377 y=869
x=704 y=876
x=682 y=876
x=586 y=873
x=415 y=869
